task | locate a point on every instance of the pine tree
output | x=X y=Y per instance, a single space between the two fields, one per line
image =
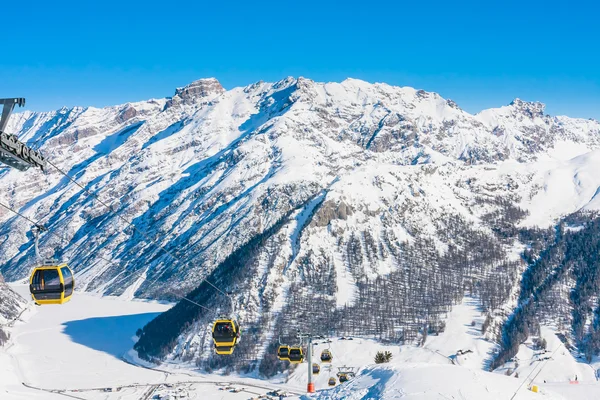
x=388 y=356
x=383 y=357
x=380 y=357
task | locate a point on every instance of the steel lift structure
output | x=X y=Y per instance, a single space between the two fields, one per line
x=13 y=152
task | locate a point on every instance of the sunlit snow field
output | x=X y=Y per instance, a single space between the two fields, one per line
x=78 y=348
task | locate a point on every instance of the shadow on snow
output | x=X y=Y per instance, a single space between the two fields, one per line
x=112 y=335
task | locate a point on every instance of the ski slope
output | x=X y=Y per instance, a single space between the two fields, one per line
x=565 y=186
x=75 y=345
x=437 y=371
x=429 y=381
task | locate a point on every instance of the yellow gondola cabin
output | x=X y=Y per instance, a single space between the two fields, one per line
x=51 y=284
x=326 y=356
x=225 y=333
x=283 y=353
x=296 y=355
x=316 y=368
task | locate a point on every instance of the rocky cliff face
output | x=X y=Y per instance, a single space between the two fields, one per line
x=290 y=191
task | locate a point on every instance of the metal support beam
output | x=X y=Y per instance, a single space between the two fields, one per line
x=13 y=152
x=8 y=106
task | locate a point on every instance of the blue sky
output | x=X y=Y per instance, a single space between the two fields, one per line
x=480 y=54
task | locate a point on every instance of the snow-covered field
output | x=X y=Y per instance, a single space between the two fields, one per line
x=428 y=381
x=436 y=371
x=75 y=345
x=77 y=349
x=86 y=337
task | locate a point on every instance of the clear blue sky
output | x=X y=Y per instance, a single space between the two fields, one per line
x=481 y=55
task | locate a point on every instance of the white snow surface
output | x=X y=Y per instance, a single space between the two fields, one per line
x=428 y=382
x=79 y=344
x=565 y=187
x=78 y=348
x=428 y=373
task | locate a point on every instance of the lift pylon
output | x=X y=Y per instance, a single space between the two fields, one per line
x=308 y=338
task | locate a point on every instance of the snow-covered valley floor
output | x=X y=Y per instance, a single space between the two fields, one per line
x=75 y=350
x=437 y=371
x=77 y=345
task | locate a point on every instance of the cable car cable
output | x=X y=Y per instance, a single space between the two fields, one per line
x=23 y=216
x=148 y=239
x=43 y=228
x=538 y=372
x=20 y=102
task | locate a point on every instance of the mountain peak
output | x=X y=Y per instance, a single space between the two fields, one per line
x=531 y=108
x=200 y=88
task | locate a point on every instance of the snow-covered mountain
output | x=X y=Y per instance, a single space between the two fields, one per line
x=287 y=192
x=11 y=305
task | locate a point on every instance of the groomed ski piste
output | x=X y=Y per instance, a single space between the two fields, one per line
x=82 y=350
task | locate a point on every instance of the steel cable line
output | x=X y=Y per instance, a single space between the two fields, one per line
x=23 y=216
x=42 y=228
x=538 y=372
x=20 y=102
x=148 y=239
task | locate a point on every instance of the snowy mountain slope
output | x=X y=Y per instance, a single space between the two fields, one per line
x=200 y=156
x=552 y=187
x=422 y=381
x=569 y=186
x=321 y=188
x=11 y=304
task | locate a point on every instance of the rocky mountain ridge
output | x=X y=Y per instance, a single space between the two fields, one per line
x=289 y=190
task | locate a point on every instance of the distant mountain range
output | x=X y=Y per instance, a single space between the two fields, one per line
x=292 y=191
